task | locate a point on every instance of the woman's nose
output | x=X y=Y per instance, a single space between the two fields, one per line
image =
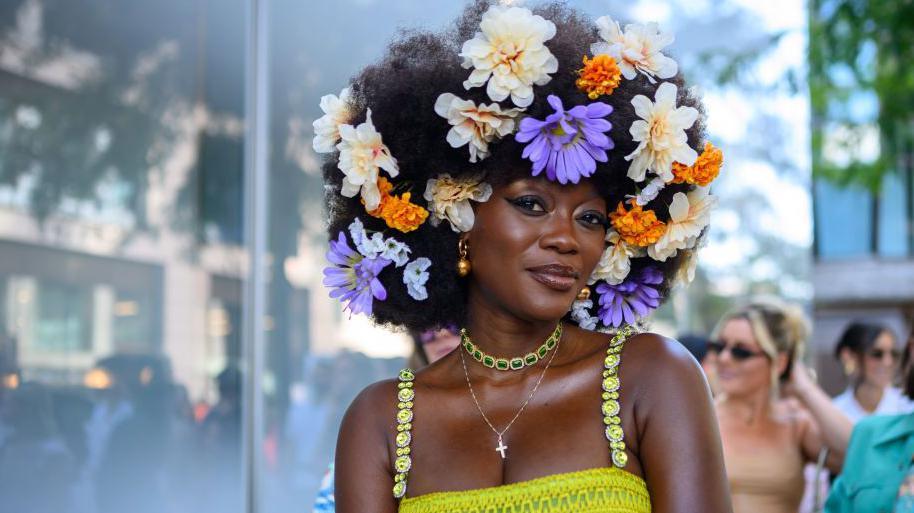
x=560 y=234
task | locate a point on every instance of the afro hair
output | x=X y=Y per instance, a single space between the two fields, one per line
x=401 y=91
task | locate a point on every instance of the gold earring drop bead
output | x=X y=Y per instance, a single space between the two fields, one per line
x=584 y=294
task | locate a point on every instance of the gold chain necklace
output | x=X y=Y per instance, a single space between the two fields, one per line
x=516 y=363
x=501 y=447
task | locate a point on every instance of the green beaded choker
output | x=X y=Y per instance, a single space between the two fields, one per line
x=516 y=363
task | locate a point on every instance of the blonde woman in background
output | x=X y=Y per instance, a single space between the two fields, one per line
x=773 y=417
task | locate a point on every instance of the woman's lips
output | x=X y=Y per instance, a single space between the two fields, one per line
x=559 y=282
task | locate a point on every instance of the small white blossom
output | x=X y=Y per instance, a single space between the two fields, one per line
x=650 y=191
x=449 y=199
x=396 y=251
x=474 y=126
x=362 y=155
x=580 y=313
x=660 y=134
x=637 y=49
x=327 y=128
x=371 y=247
x=509 y=53
x=689 y=215
x=415 y=276
x=615 y=263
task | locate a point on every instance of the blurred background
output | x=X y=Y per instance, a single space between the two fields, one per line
x=165 y=341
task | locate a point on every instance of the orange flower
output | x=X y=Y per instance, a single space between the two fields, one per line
x=637 y=227
x=703 y=171
x=398 y=212
x=599 y=76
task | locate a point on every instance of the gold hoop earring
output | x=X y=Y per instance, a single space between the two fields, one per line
x=463 y=263
x=849 y=369
x=584 y=294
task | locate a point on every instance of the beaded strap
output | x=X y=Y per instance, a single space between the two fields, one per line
x=405 y=395
x=611 y=408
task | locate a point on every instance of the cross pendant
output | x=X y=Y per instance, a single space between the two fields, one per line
x=501 y=448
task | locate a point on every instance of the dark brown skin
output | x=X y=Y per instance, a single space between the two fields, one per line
x=667 y=415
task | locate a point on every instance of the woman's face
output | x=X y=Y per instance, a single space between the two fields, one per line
x=881 y=361
x=741 y=376
x=439 y=343
x=533 y=246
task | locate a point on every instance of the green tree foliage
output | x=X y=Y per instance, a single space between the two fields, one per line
x=860 y=78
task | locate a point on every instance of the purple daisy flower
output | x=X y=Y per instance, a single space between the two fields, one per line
x=354 y=279
x=630 y=300
x=568 y=143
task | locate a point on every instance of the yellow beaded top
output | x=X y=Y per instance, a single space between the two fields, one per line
x=597 y=490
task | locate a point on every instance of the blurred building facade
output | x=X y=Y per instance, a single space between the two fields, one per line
x=863 y=167
x=864 y=262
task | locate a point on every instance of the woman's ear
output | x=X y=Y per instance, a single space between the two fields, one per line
x=849 y=361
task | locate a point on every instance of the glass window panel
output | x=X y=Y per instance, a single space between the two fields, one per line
x=844 y=221
x=893 y=217
x=122 y=255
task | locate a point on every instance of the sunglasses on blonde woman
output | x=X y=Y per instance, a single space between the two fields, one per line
x=737 y=352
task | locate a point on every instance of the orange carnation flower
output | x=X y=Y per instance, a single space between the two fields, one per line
x=396 y=211
x=637 y=227
x=703 y=171
x=600 y=75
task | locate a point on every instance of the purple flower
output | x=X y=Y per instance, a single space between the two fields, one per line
x=354 y=279
x=630 y=300
x=568 y=143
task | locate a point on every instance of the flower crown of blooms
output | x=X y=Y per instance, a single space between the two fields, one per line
x=509 y=56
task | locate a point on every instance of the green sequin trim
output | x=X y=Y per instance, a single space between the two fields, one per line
x=405 y=394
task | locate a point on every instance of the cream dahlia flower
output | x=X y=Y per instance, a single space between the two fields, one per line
x=660 y=134
x=449 y=199
x=362 y=155
x=509 y=53
x=327 y=128
x=474 y=126
x=689 y=215
x=615 y=263
x=637 y=49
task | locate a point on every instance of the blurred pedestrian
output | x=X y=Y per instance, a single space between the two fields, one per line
x=878 y=471
x=869 y=354
x=698 y=347
x=428 y=347
x=773 y=417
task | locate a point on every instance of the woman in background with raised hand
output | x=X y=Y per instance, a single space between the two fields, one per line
x=773 y=417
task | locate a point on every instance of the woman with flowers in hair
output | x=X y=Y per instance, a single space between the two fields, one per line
x=773 y=417
x=534 y=178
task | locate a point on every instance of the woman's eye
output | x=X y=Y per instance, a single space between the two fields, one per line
x=595 y=219
x=530 y=203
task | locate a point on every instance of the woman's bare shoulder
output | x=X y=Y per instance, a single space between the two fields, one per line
x=654 y=363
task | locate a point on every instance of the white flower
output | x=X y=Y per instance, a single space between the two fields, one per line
x=689 y=215
x=450 y=199
x=370 y=247
x=650 y=191
x=327 y=128
x=615 y=264
x=508 y=53
x=357 y=232
x=636 y=49
x=581 y=315
x=396 y=251
x=686 y=272
x=476 y=126
x=362 y=154
x=660 y=135
x=415 y=276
